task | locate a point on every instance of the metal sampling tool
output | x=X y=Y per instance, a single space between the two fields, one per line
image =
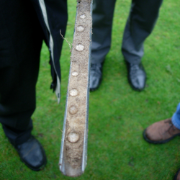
x=73 y=156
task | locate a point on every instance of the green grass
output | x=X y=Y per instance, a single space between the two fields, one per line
x=117 y=115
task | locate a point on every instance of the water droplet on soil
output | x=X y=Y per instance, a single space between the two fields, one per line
x=73 y=109
x=83 y=16
x=73 y=92
x=74 y=73
x=79 y=47
x=73 y=137
x=80 y=28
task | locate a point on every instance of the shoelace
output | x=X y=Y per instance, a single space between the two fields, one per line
x=171 y=127
x=134 y=67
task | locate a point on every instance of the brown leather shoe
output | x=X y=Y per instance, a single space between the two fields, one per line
x=177 y=176
x=161 y=132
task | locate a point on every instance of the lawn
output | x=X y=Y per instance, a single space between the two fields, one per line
x=117 y=114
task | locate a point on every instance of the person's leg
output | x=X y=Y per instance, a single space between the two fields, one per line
x=176 y=117
x=165 y=130
x=103 y=11
x=20 y=45
x=101 y=38
x=140 y=23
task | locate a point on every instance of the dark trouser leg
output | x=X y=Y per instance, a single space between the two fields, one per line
x=102 y=26
x=20 y=44
x=142 y=18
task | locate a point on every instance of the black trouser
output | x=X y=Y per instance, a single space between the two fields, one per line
x=20 y=44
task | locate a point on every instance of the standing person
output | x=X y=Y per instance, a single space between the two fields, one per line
x=142 y=18
x=23 y=27
x=163 y=131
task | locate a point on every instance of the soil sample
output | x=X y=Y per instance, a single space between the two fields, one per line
x=74 y=141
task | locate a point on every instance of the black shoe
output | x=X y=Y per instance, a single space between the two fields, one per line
x=177 y=176
x=136 y=76
x=32 y=154
x=95 y=76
